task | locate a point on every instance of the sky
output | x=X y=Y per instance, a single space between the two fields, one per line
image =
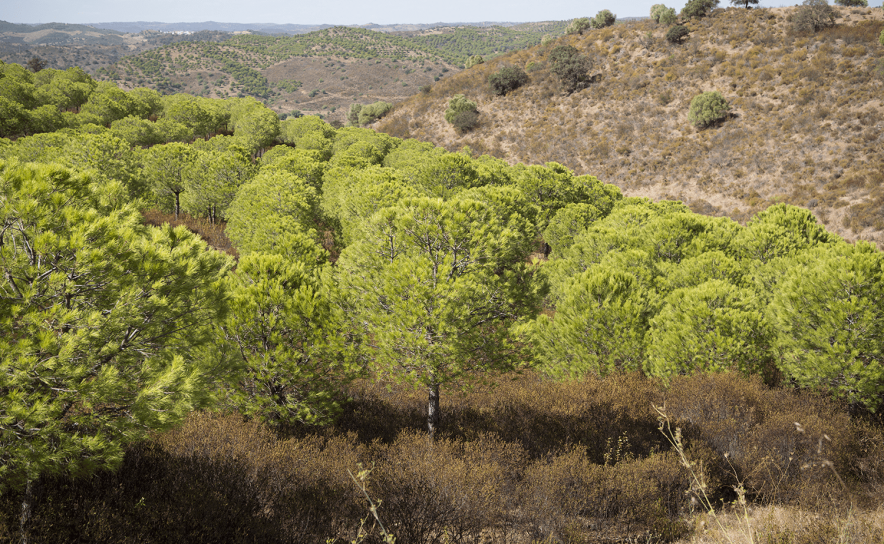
x=336 y=12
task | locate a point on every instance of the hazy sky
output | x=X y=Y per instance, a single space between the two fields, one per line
x=321 y=11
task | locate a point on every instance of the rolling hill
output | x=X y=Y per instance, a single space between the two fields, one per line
x=805 y=126
x=320 y=72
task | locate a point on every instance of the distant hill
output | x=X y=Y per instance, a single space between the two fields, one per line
x=320 y=72
x=269 y=28
x=805 y=127
x=58 y=34
x=276 y=28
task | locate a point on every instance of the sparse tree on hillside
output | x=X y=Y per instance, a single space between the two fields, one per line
x=353 y=115
x=462 y=113
x=677 y=33
x=853 y=3
x=708 y=109
x=656 y=10
x=36 y=64
x=579 y=26
x=372 y=112
x=698 y=8
x=602 y=19
x=508 y=78
x=663 y=15
x=744 y=3
x=473 y=61
x=570 y=67
x=813 y=15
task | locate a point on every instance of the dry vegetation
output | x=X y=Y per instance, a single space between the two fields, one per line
x=212 y=233
x=806 y=125
x=530 y=460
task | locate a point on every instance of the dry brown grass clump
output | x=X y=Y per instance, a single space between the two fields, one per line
x=212 y=233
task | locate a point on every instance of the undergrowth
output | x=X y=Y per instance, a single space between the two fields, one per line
x=527 y=460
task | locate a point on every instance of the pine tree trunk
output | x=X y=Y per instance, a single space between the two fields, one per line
x=434 y=413
x=27 y=510
x=177 y=205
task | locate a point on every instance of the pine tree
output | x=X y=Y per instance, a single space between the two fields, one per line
x=101 y=320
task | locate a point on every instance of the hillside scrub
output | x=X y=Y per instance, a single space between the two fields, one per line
x=814 y=97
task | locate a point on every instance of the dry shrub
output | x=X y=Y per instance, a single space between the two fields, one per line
x=218 y=478
x=212 y=233
x=301 y=486
x=638 y=495
x=572 y=461
x=862 y=32
x=753 y=431
x=537 y=413
x=445 y=490
x=869 y=213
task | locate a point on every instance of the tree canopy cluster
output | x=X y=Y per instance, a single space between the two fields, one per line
x=109 y=328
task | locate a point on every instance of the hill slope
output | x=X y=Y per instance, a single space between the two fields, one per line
x=323 y=71
x=806 y=125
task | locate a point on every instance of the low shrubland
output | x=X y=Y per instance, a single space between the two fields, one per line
x=528 y=459
x=813 y=97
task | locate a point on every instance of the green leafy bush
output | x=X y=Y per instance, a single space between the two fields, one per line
x=664 y=15
x=602 y=19
x=579 y=26
x=698 y=8
x=462 y=113
x=656 y=11
x=708 y=109
x=570 y=67
x=853 y=3
x=473 y=61
x=372 y=112
x=813 y=15
x=881 y=37
x=508 y=78
x=677 y=33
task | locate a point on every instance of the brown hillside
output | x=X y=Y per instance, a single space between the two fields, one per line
x=806 y=125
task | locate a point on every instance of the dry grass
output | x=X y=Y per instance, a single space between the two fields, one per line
x=212 y=233
x=805 y=127
x=790 y=525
